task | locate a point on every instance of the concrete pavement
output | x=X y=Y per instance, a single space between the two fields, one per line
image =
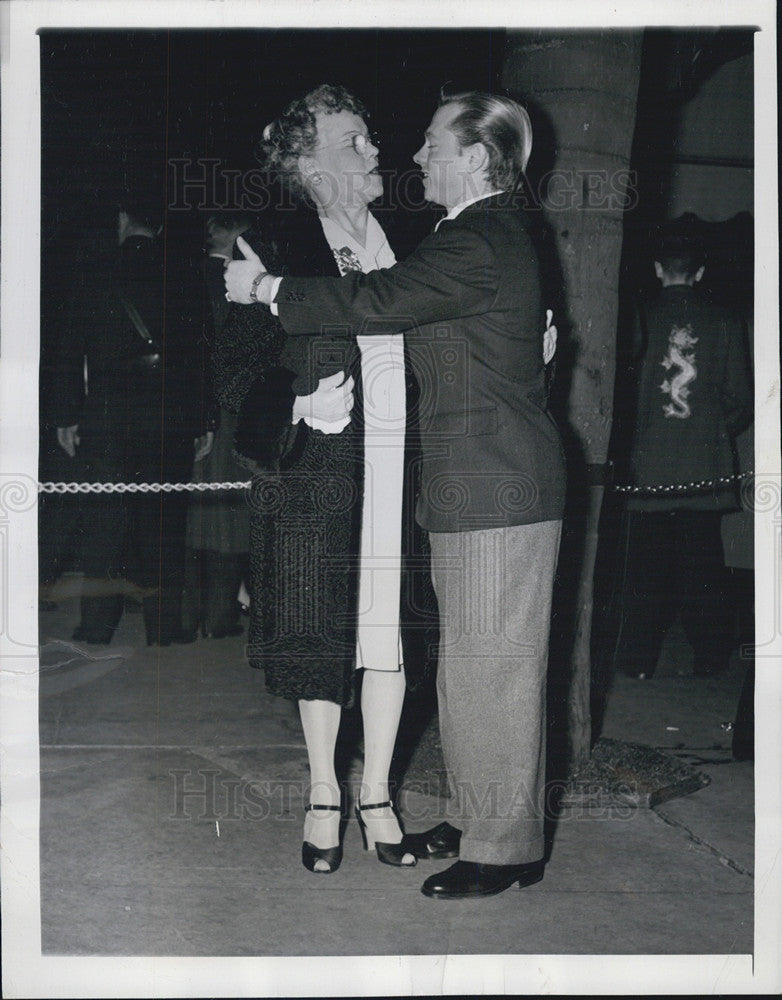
x=172 y=795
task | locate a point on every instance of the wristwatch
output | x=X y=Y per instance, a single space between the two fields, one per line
x=256 y=285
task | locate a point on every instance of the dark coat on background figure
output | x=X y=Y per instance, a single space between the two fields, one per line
x=307 y=492
x=694 y=396
x=138 y=412
x=218 y=521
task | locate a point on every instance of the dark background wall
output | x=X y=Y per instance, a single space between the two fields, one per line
x=122 y=104
x=144 y=107
x=126 y=107
x=130 y=108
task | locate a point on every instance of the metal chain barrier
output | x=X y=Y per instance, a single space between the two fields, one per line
x=694 y=487
x=138 y=487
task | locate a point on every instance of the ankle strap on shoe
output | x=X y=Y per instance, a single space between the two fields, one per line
x=377 y=805
x=311 y=806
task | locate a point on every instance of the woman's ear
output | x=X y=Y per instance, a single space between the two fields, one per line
x=310 y=173
x=307 y=167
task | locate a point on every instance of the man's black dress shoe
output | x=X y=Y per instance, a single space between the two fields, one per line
x=468 y=879
x=442 y=841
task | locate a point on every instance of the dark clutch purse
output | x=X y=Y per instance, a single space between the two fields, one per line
x=149 y=356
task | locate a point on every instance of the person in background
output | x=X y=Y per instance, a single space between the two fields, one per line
x=125 y=411
x=693 y=397
x=218 y=523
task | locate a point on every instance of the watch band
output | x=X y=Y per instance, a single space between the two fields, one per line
x=256 y=285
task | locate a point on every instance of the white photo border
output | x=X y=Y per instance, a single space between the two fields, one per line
x=26 y=972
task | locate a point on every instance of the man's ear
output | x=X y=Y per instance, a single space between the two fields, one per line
x=699 y=273
x=658 y=269
x=477 y=157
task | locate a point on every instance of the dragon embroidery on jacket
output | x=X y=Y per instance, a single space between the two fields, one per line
x=682 y=356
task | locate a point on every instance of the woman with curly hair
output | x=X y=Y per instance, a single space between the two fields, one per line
x=340 y=569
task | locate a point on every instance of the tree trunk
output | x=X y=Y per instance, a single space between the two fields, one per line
x=581 y=88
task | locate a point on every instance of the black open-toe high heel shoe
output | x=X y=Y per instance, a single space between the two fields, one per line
x=389 y=854
x=331 y=855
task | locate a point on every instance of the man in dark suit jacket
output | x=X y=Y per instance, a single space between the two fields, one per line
x=493 y=478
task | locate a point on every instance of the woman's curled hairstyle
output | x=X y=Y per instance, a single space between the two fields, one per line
x=294 y=133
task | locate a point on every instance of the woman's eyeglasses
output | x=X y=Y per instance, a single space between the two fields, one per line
x=359 y=141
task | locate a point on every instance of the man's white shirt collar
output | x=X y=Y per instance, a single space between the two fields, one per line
x=458 y=209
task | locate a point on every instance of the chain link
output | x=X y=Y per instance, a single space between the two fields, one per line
x=138 y=487
x=694 y=487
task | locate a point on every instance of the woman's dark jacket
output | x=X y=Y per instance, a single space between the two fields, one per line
x=307 y=491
